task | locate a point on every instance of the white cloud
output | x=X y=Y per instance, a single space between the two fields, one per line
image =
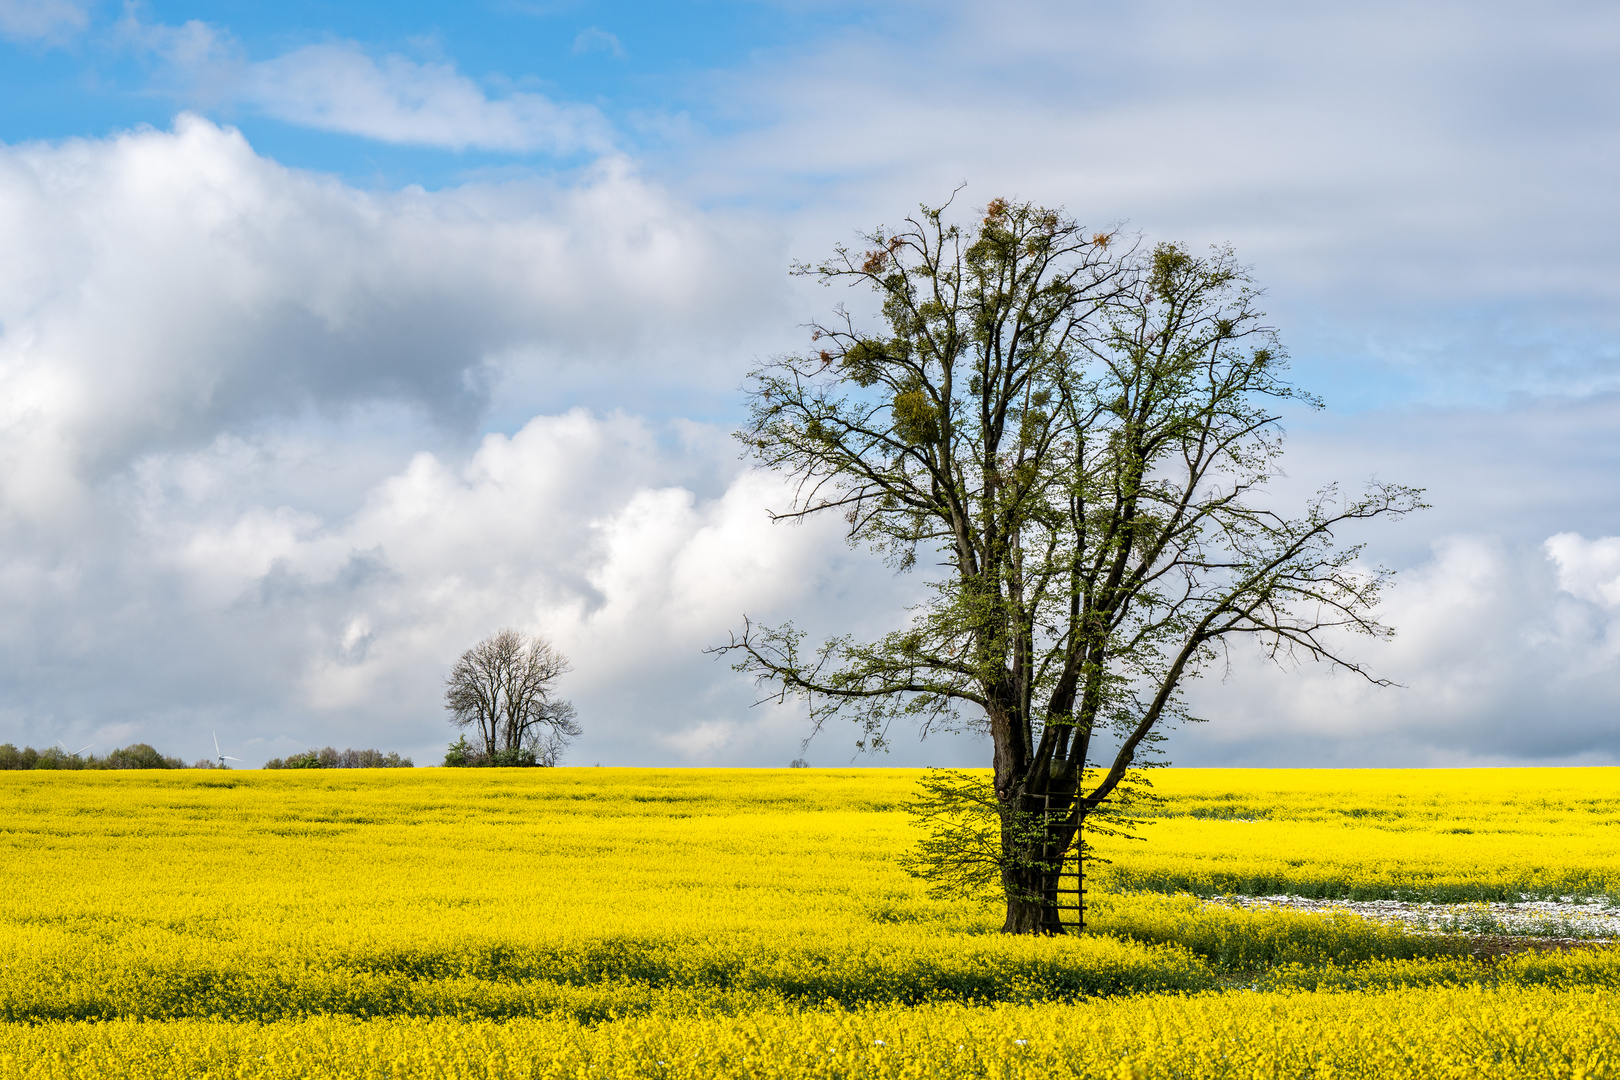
x=398 y=100
x=235 y=485
x=593 y=39
x=163 y=286
x=340 y=87
x=1494 y=664
x=1587 y=569
x=49 y=21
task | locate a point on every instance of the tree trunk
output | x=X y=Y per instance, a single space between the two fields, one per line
x=1033 y=908
x=1036 y=837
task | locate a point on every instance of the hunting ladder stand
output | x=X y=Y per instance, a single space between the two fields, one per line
x=1069 y=892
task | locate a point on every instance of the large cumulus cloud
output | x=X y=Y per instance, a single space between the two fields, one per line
x=162 y=286
x=241 y=481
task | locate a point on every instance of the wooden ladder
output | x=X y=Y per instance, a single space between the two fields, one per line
x=1071 y=892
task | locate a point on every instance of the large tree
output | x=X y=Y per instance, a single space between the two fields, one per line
x=1077 y=431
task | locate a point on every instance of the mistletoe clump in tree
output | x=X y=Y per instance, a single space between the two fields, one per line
x=1078 y=430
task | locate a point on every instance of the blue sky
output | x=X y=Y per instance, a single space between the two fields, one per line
x=645 y=67
x=334 y=336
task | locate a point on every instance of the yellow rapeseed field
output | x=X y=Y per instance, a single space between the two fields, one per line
x=596 y=922
x=1432 y=1033
x=1424 y=834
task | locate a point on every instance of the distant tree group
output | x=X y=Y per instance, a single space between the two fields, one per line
x=502 y=689
x=134 y=756
x=329 y=758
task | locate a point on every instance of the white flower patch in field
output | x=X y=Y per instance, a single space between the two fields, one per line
x=1566 y=917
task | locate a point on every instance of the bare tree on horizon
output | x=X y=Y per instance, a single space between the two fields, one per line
x=504 y=689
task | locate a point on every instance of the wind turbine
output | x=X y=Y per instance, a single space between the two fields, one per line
x=73 y=753
x=223 y=758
